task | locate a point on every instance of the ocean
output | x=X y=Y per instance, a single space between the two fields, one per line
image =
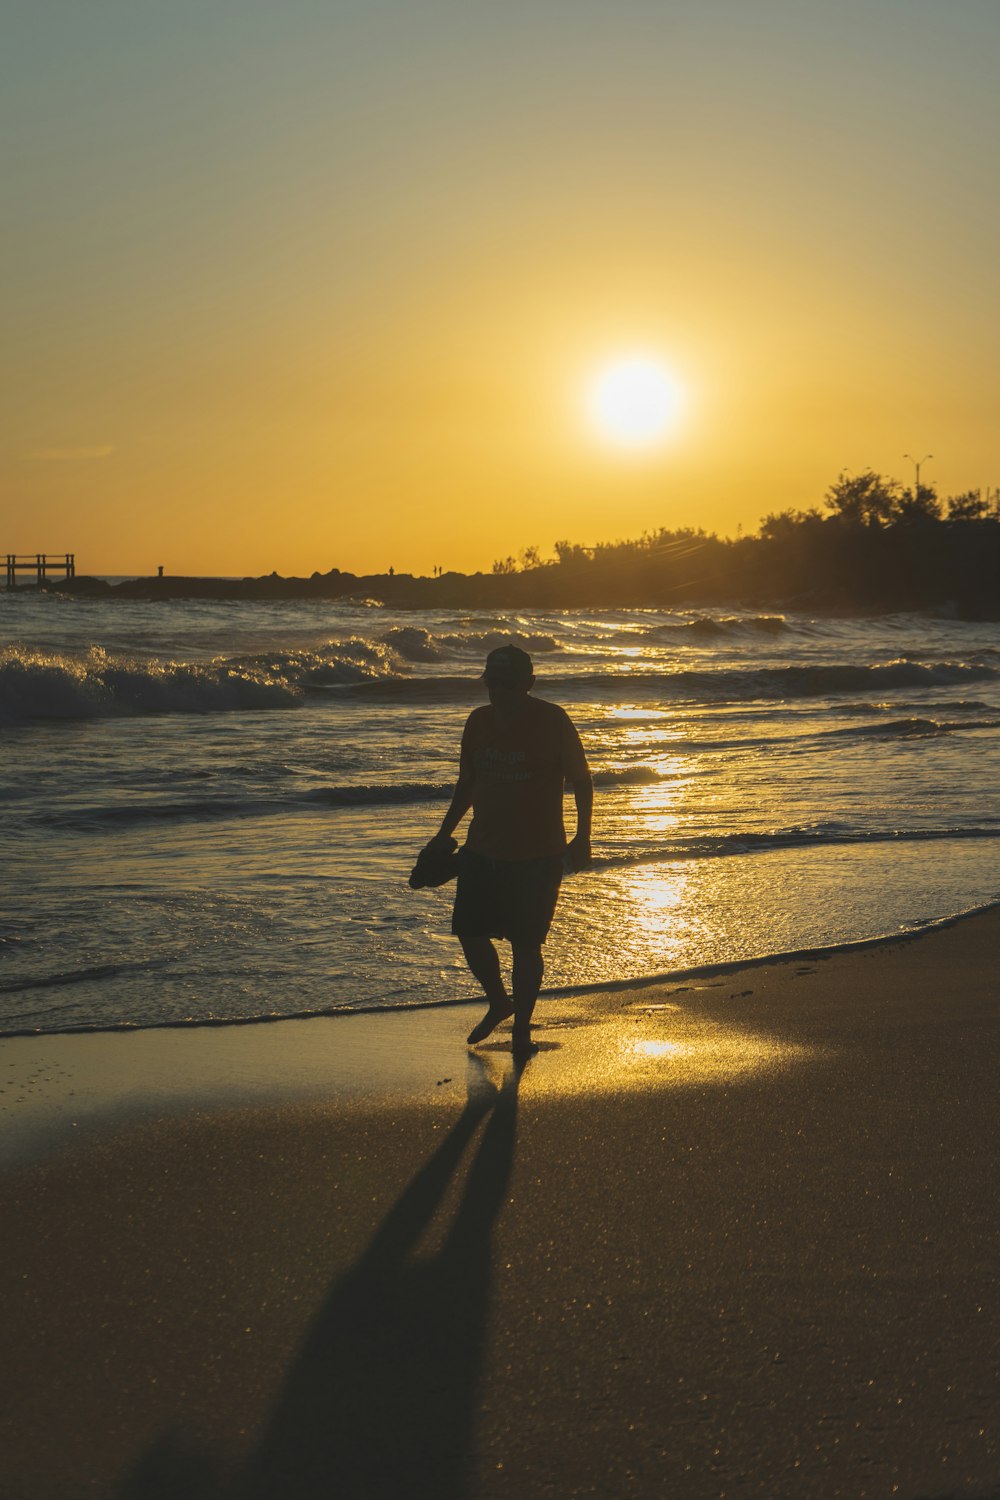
x=211 y=809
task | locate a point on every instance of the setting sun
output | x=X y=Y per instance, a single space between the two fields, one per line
x=634 y=401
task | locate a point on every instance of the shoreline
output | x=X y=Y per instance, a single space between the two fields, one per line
x=605 y=986
x=726 y=1236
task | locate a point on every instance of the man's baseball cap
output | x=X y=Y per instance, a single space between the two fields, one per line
x=508 y=661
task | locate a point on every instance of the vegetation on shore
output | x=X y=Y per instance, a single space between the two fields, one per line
x=874 y=547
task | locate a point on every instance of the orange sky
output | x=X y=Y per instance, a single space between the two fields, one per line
x=305 y=286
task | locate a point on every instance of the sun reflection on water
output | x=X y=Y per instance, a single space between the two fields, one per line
x=652 y=905
x=630 y=711
x=662 y=918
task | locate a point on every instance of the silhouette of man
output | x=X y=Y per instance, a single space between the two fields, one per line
x=517 y=753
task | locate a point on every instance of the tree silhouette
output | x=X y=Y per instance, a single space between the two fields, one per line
x=865 y=499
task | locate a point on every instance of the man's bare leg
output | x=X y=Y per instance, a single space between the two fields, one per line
x=483 y=960
x=526 y=981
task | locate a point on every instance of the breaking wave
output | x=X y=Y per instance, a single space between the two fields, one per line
x=412 y=643
x=809 y=836
x=44 y=685
x=726 y=685
x=35 y=684
x=914 y=728
x=377 y=794
x=713 y=627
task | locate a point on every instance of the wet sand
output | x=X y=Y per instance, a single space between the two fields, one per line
x=734 y=1236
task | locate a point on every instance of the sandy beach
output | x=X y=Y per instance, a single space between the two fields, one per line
x=729 y=1236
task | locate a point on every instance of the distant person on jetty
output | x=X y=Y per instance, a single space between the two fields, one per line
x=517 y=753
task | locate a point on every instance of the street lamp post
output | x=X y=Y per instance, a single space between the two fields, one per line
x=916 y=462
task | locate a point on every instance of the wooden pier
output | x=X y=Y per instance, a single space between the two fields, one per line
x=42 y=564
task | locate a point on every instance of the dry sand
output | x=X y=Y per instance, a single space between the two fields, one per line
x=731 y=1237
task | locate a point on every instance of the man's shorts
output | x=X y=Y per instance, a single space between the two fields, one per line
x=506 y=898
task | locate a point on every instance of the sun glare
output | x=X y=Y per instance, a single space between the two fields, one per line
x=634 y=401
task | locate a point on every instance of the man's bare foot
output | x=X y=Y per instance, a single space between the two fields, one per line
x=489 y=1023
x=521 y=1044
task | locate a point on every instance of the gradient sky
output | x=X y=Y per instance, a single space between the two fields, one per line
x=314 y=283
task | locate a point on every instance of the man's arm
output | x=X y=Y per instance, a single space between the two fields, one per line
x=579 y=847
x=578 y=772
x=460 y=803
x=461 y=799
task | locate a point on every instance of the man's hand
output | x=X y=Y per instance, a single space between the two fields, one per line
x=578 y=852
x=441 y=840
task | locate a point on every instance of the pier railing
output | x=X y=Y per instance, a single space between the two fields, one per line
x=42 y=564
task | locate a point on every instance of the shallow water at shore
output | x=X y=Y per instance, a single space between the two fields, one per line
x=212 y=809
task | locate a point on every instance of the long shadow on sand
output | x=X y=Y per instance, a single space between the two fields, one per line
x=380 y=1402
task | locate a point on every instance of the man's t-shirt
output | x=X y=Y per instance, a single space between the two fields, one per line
x=519 y=772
